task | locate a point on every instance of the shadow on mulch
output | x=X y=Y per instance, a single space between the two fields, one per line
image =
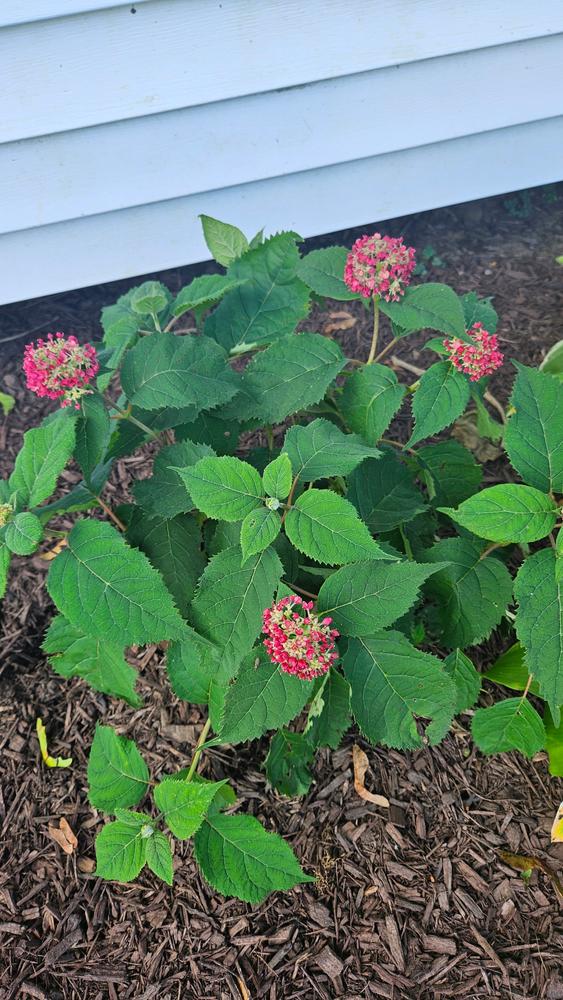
x=412 y=902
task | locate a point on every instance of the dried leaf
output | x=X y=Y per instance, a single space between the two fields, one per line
x=48 y=760
x=341 y=320
x=465 y=431
x=86 y=865
x=526 y=863
x=361 y=765
x=64 y=836
x=557 y=828
x=52 y=553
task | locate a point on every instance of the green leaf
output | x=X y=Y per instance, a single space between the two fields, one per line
x=328 y=727
x=228 y=606
x=259 y=529
x=431 y=306
x=185 y=804
x=320 y=450
x=45 y=452
x=110 y=590
x=121 y=329
x=7 y=403
x=511 y=724
x=224 y=488
x=239 y=858
x=441 y=397
x=327 y=528
x=364 y=597
x=23 y=533
x=451 y=472
x=167 y=370
x=173 y=547
x=287 y=763
x=370 y=399
x=553 y=361
x=100 y=663
x=277 y=477
x=472 y=593
x=467 y=681
x=507 y=513
x=262 y=697
x=226 y=243
x=158 y=856
x=323 y=271
x=194 y=665
x=5 y=557
x=221 y=436
x=554 y=744
x=384 y=494
x=393 y=684
x=120 y=852
x=149 y=299
x=288 y=376
x=533 y=437
x=93 y=432
x=476 y=310
x=203 y=292
x=165 y=494
x=117 y=774
x=271 y=301
x=539 y=625
x=511 y=670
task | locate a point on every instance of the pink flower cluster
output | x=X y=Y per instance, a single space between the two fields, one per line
x=478 y=359
x=60 y=368
x=300 y=642
x=379 y=265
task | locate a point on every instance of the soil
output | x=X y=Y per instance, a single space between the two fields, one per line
x=411 y=902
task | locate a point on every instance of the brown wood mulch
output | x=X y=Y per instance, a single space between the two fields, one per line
x=411 y=902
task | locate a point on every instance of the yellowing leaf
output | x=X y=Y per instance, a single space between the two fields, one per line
x=47 y=759
x=557 y=828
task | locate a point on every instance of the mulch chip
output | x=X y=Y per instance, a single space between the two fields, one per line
x=413 y=901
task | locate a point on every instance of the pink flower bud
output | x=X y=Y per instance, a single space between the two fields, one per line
x=379 y=265
x=306 y=650
x=60 y=368
x=478 y=359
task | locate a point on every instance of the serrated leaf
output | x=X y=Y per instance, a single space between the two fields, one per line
x=93 y=432
x=553 y=361
x=271 y=301
x=224 y=488
x=328 y=727
x=261 y=698
x=121 y=329
x=231 y=598
x=472 y=593
x=393 y=684
x=511 y=670
x=165 y=493
x=539 y=625
x=239 y=858
x=173 y=546
x=287 y=764
x=291 y=374
x=226 y=243
x=476 y=310
x=277 y=477
x=319 y=450
x=194 y=665
x=511 y=724
x=507 y=513
x=149 y=299
x=370 y=399
x=431 y=306
x=117 y=774
x=258 y=530
x=367 y=596
x=554 y=744
x=165 y=370
x=110 y=590
x=384 y=494
x=453 y=472
x=441 y=397
x=220 y=435
x=23 y=533
x=5 y=557
x=533 y=437
x=120 y=852
x=44 y=454
x=326 y=527
x=185 y=804
x=323 y=272
x=467 y=681
x=158 y=856
x=203 y=292
x=100 y=663
x=129 y=436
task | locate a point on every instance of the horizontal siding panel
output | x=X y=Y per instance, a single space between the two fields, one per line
x=138 y=240
x=109 y=167
x=25 y=11
x=109 y=65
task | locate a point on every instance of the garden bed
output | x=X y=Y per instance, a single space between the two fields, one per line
x=410 y=902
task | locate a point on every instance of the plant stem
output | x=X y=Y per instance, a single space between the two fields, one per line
x=494 y=402
x=373 y=348
x=386 y=350
x=300 y=590
x=408 y=548
x=290 y=498
x=198 y=749
x=269 y=432
x=397 y=444
x=127 y=415
x=110 y=514
x=491 y=548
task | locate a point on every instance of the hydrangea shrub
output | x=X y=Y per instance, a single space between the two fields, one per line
x=299 y=566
